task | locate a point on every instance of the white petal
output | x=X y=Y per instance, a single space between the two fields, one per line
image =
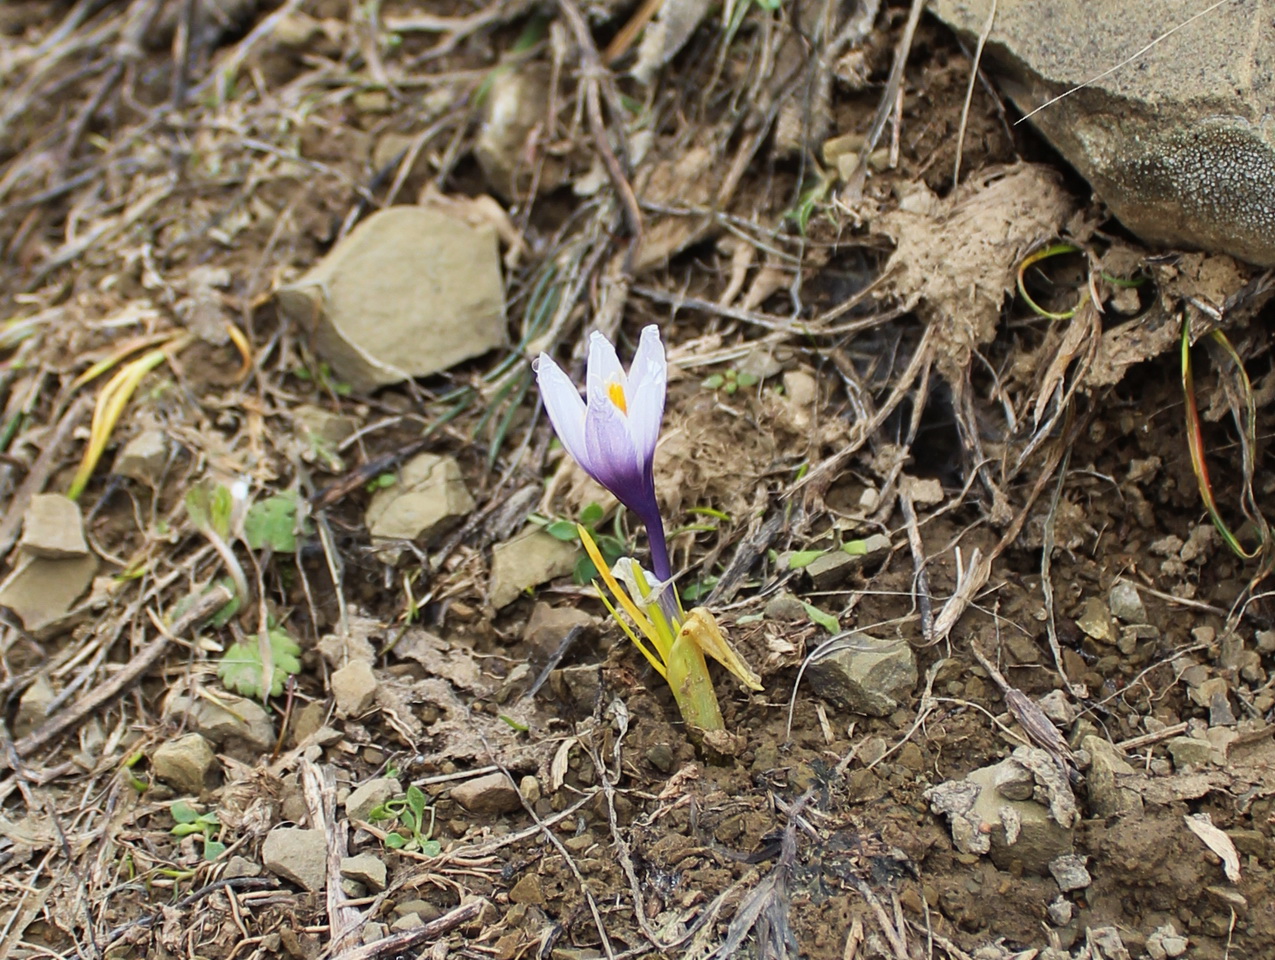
x=604 y=368
x=564 y=406
x=648 y=384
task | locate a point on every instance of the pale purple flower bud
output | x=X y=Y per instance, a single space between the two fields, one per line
x=613 y=436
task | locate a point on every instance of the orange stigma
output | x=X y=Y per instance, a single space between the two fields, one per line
x=615 y=391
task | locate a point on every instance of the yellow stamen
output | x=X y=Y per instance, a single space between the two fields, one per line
x=616 y=392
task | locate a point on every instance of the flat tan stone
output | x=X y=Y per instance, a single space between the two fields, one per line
x=41 y=592
x=410 y=292
x=53 y=528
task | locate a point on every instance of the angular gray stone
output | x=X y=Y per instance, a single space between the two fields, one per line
x=488 y=796
x=33 y=706
x=366 y=797
x=528 y=560
x=1178 y=142
x=1028 y=834
x=580 y=683
x=41 y=592
x=367 y=869
x=143 y=457
x=429 y=498
x=1060 y=911
x=185 y=763
x=53 y=528
x=1188 y=752
x=1070 y=873
x=354 y=688
x=1165 y=943
x=548 y=626
x=1095 y=621
x=410 y=292
x=236 y=724
x=298 y=855
x=831 y=569
x=240 y=867
x=1107 y=798
x=1126 y=603
x=867 y=676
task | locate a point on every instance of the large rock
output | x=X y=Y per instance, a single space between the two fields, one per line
x=488 y=796
x=1020 y=811
x=1178 y=141
x=430 y=497
x=240 y=726
x=297 y=855
x=185 y=763
x=867 y=675
x=528 y=560
x=42 y=592
x=53 y=528
x=368 y=796
x=411 y=291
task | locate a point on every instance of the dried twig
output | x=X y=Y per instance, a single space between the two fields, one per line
x=203 y=606
x=398 y=944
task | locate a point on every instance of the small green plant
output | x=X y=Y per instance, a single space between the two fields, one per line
x=243 y=668
x=700 y=589
x=611 y=545
x=815 y=193
x=137 y=783
x=272 y=523
x=381 y=481
x=730 y=381
x=211 y=508
x=409 y=812
x=205 y=826
x=825 y=620
x=324 y=379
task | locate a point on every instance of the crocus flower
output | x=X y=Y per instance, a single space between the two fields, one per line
x=613 y=436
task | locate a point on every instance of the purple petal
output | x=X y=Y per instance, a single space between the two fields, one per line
x=612 y=458
x=564 y=406
x=648 y=384
x=604 y=368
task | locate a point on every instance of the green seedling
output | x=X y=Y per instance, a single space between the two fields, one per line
x=274 y=523
x=409 y=812
x=134 y=781
x=324 y=379
x=255 y=665
x=825 y=620
x=204 y=826
x=815 y=193
x=730 y=381
x=700 y=589
x=381 y=481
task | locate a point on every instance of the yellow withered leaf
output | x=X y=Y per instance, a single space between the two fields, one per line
x=701 y=627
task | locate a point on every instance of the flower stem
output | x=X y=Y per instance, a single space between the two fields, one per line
x=691 y=685
x=660 y=565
